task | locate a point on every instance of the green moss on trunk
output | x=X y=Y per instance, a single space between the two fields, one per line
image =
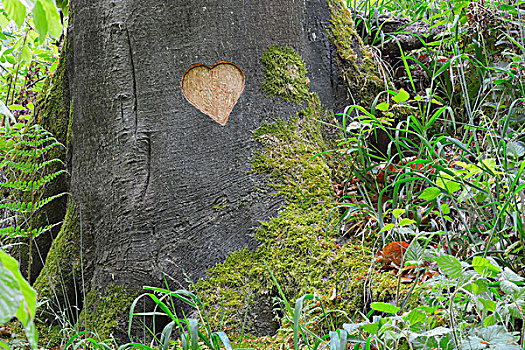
x=299 y=245
x=59 y=281
x=359 y=67
x=285 y=74
x=105 y=311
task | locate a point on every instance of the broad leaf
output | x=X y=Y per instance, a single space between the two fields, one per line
x=385 y=307
x=516 y=148
x=401 y=96
x=486 y=305
x=510 y=275
x=484 y=267
x=430 y=193
x=510 y=288
x=398 y=212
x=406 y=222
x=11 y=298
x=54 y=27
x=371 y=328
x=477 y=287
x=445 y=208
x=16 y=10
x=26 y=307
x=416 y=316
x=449 y=265
x=40 y=19
x=383 y=106
x=414 y=252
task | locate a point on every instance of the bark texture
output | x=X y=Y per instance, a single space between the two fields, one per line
x=160 y=188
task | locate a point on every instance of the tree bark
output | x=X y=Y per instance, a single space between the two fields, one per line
x=161 y=190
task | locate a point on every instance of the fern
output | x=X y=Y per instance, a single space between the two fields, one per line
x=26 y=172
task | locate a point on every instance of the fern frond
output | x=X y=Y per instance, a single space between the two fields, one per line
x=32 y=185
x=17 y=231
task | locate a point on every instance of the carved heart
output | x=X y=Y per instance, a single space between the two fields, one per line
x=213 y=90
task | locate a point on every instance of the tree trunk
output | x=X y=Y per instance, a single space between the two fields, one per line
x=160 y=174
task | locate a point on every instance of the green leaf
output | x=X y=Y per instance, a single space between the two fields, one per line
x=53 y=18
x=489 y=163
x=401 y=96
x=406 y=222
x=487 y=305
x=4 y=20
x=26 y=54
x=387 y=227
x=510 y=288
x=63 y=4
x=371 y=328
x=451 y=186
x=385 y=307
x=11 y=298
x=26 y=309
x=383 y=106
x=449 y=265
x=489 y=321
x=445 y=209
x=477 y=287
x=416 y=316
x=430 y=193
x=414 y=252
x=29 y=4
x=4 y=346
x=510 y=275
x=398 y=212
x=17 y=108
x=484 y=267
x=16 y=10
x=516 y=148
x=40 y=19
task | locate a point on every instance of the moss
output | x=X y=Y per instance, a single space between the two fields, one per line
x=53 y=111
x=360 y=69
x=297 y=245
x=58 y=281
x=104 y=308
x=285 y=74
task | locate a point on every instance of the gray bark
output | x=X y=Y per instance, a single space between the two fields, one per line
x=161 y=188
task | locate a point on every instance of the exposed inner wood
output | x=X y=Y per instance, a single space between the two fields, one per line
x=213 y=90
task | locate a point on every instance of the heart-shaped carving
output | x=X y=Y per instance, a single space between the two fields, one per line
x=213 y=90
